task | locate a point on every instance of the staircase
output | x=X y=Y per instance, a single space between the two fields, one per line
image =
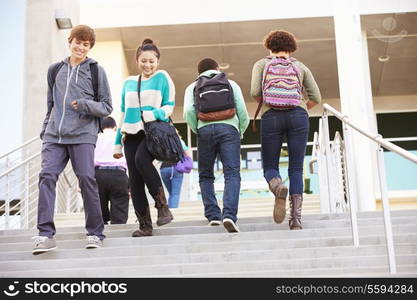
x=189 y=248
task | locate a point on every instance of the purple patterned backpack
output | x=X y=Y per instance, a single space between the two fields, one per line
x=281 y=85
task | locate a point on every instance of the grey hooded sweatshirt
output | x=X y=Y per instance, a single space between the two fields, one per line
x=65 y=125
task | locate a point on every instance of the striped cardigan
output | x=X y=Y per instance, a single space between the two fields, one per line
x=157 y=97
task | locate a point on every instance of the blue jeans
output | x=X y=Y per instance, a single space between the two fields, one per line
x=294 y=124
x=173 y=181
x=223 y=140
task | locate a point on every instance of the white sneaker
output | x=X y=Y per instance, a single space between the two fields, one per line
x=93 y=241
x=230 y=225
x=214 y=223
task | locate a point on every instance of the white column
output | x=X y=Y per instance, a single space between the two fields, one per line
x=12 y=15
x=356 y=99
x=39 y=54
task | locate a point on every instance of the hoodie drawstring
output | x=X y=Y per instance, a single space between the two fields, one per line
x=76 y=76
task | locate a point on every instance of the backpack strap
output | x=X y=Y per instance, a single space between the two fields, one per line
x=94 y=80
x=54 y=72
x=254 y=129
x=297 y=71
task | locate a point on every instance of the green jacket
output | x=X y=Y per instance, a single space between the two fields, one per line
x=240 y=121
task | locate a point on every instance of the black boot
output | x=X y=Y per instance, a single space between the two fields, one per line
x=164 y=214
x=296 y=203
x=145 y=224
x=280 y=192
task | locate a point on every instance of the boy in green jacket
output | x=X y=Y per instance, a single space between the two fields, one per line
x=219 y=137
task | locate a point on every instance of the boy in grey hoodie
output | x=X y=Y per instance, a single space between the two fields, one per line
x=69 y=132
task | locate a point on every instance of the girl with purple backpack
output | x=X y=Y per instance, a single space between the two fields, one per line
x=279 y=84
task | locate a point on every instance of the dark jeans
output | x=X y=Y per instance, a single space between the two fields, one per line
x=54 y=159
x=141 y=171
x=275 y=125
x=223 y=140
x=113 y=187
x=173 y=182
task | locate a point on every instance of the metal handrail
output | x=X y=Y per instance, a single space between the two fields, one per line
x=19 y=182
x=19 y=147
x=382 y=178
x=401 y=139
x=20 y=164
x=377 y=138
x=313 y=159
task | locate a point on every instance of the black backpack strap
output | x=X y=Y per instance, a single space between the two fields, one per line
x=195 y=99
x=94 y=79
x=54 y=72
x=140 y=104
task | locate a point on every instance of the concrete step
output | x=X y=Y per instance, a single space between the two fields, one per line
x=215 y=268
x=190 y=248
x=245 y=220
x=403 y=271
x=225 y=242
x=182 y=215
x=311 y=228
x=194 y=210
x=205 y=257
x=184 y=235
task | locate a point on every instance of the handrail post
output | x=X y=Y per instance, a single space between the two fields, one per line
x=7 y=198
x=25 y=202
x=351 y=184
x=386 y=210
x=322 y=172
x=326 y=137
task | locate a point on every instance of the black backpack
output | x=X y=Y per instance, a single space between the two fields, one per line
x=214 y=100
x=94 y=78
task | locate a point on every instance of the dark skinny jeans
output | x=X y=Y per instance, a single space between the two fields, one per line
x=275 y=125
x=141 y=171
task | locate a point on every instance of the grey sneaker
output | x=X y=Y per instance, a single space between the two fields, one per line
x=43 y=244
x=230 y=225
x=93 y=241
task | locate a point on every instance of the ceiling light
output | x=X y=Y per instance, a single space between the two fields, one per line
x=224 y=66
x=384 y=58
x=62 y=20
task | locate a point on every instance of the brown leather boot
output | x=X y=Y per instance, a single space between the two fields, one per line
x=280 y=191
x=164 y=214
x=296 y=203
x=145 y=224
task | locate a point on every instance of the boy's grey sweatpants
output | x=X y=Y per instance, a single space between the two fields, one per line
x=54 y=159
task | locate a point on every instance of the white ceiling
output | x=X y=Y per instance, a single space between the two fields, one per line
x=240 y=45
